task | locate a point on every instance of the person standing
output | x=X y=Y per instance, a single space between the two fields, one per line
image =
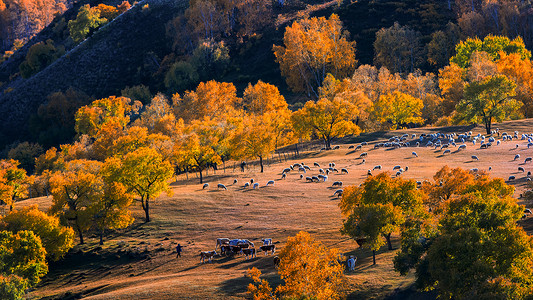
x=179 y=248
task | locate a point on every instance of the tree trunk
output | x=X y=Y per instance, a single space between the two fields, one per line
x=374 y=256
x=328 y=143
x=297 y=152
x=147 y=210
x=389 y=244
x=102 y=237
x=78 y=229
x=261 y=162
x=201 y=178
x=488 y=125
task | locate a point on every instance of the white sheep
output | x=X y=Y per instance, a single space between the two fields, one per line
x=516 y=157
x=527 y=159
x=270 y=182
x=205 y=186
x=301 y=169
x=396 y=168
x=234 y=181
x=490 y=168
x=474 y=157
x=323 y=177
x=337 y=183
x=256 y=185
x=364 y=154
x=221 y=186
x=344 y=170
x=316 y=165
x=301 y=176
x=286 y=170
x=511 y=178
x=461 y=147
x=446 y=151
x=414 y=154
x=520 y=169
x=398 y=173
x=283 y=176
x=378 y=167
x=246 y=184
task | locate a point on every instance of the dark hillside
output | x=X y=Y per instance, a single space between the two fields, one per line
x=99 y=66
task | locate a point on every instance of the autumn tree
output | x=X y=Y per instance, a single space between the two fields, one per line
x=398 y=110
x=255 y=137
x=521 y=72
x=378 y=208
x=23 y=260
x=25 y=153
x=316 y=275
x=110 y=209
x=326 y=119
x=13 y=182
x=74 y=191
x=197 y=147
x=265 y=99
x=55 y=238
x=210 y=99
x=398 y=48
x=314 y=47
x=143 y=172
x=489 y=100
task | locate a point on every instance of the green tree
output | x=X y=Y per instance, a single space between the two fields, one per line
x=12 y=287
x=143 y=172
x=26 y=153
x=87 y=20
x=39 y=56
x=492 y=45
x=378 y=208
x=397 y=109
x=489 y=100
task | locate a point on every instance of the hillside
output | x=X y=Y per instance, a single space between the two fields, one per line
x=130 y=49
x=140 y=262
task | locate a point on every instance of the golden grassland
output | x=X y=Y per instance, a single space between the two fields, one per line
x=140 y=262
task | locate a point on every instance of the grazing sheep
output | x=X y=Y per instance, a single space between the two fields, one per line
x=516 y=146
x=414 y=154
x=358 y=148
x=351 y=147
x=309 y=179
x=406 y=168
x=307 y=168
x=369 y=173
x=256 y=185
x=511 y=178
x=364 y=143
x=301 y=176
x=336 y=147
x=516 y=157
x=286 y=170
x=378 y=167
x=528 y=173
x=474 y=157
x=461 y=147
x=221 y=186
x=337 y=183
x=316 y=165
x=301 y=169
x=398 y=173
x=528 y=179
x=324 y=178
x=527 y=159
x=362 y=162
x=446 y=151
x=252 y=180
x=338 y=193
x=270 y=182
x=490 y=168
x=520 y=169
x=396 y=168
x=364 y=154
x=234 y=181
x=474 y=170
x=344 y=170
x=206 y=185
x=527 y=211
x=246 y=184
x=283 y=176
x=315 y=178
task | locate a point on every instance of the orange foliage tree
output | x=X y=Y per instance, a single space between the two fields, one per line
x=313 y=48
x=315 y=275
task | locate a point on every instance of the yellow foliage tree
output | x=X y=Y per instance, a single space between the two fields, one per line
x=13 y=182
x=315 y=275
x=255 y=137
x=56 y=239
x=74 y=191
x=313 y=48
x=398 y=109
x=326 y=119
x=143 y=172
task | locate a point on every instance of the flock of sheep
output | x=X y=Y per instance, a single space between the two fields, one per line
x=439 y=141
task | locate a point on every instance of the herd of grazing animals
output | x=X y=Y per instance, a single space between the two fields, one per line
x=444 y=143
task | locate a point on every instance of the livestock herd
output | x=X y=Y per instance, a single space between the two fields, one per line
x=444 y=142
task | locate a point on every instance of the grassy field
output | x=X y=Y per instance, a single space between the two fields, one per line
x=140 y=262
